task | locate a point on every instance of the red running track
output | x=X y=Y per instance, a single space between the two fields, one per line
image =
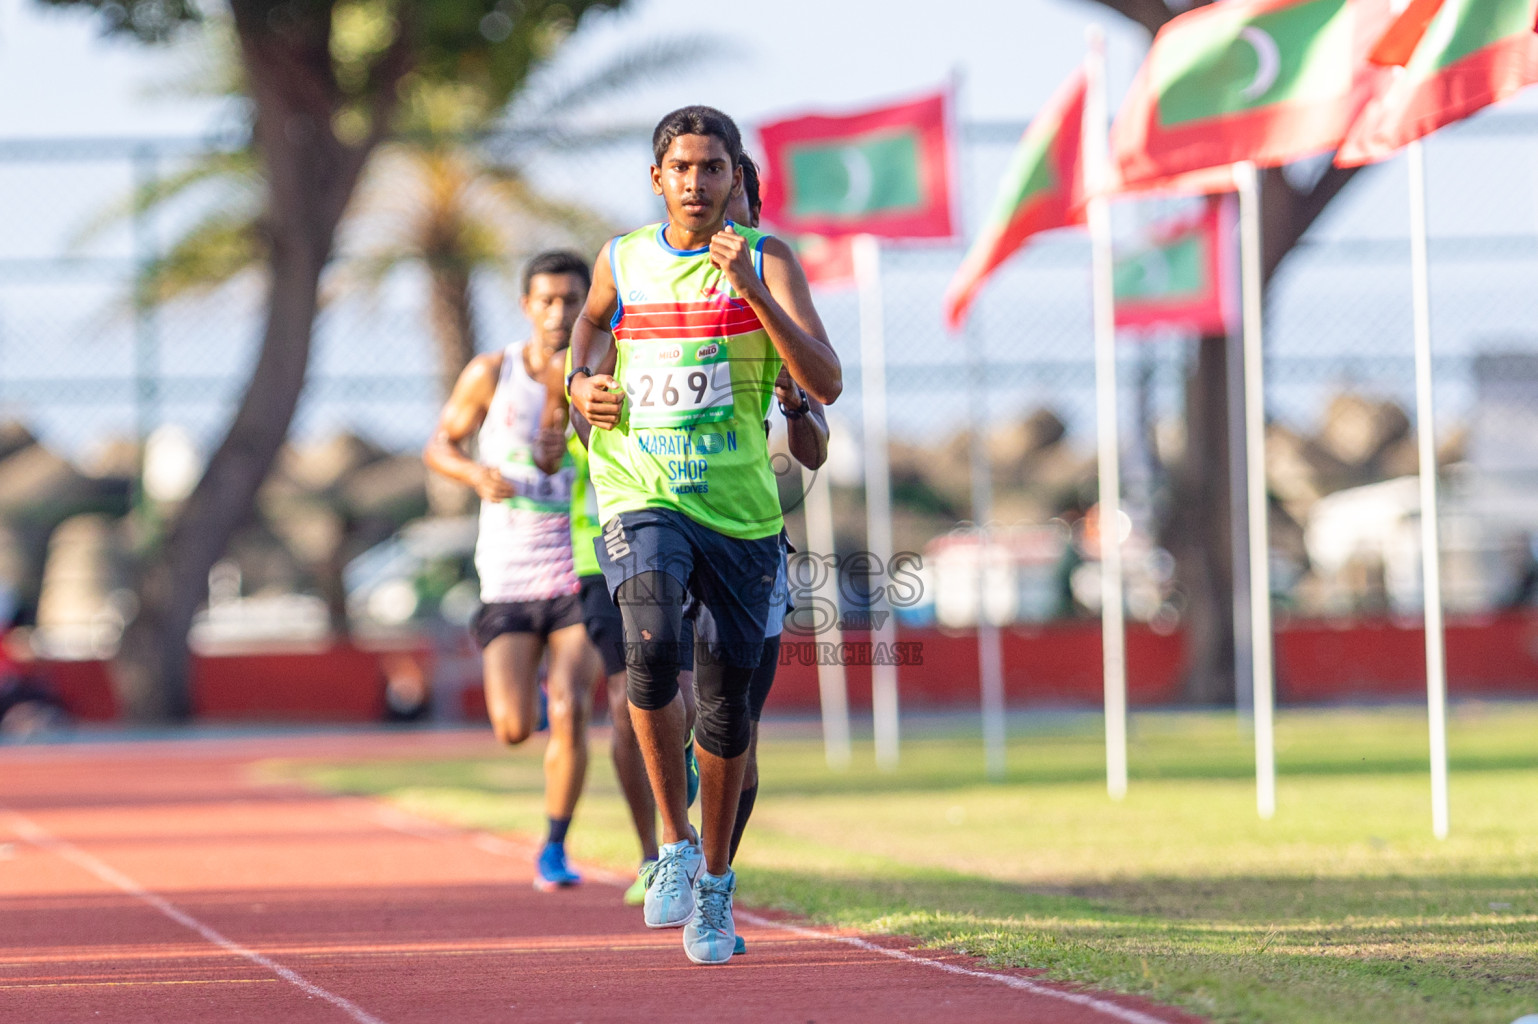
x=164 y=882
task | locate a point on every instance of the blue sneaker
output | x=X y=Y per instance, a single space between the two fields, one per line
x=739 y=947
x=691 y=770
x=711 y=937
x=550 y=870
x=670 y=898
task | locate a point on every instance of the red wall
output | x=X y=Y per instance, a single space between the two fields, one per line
x=342 y=684
x=1494 y=656
x=1058 y=664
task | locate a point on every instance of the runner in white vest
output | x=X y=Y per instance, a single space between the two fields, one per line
x=523 y=473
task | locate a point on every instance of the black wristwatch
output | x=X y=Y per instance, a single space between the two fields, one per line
x=573 y=373
x=796 y=414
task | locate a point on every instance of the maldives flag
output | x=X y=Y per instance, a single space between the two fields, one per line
x=1454 y=57
x=1184 y=279
x=1268 y=81
x=826 y=261
x=882 y=172
x=1042 y=189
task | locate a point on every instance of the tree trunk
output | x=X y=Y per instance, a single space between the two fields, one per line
x=1199 y=529
x=453 y=322
x=310 y=176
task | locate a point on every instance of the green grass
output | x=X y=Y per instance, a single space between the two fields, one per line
x=1341 y=909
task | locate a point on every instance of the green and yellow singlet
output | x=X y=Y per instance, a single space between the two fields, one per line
x=698 y=370
x=584 y=509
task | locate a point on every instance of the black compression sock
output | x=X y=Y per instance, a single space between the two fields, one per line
x=744 y=812
x=558 y=827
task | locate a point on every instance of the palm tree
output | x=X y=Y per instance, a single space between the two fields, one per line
x=326 y=80
x=451 y=195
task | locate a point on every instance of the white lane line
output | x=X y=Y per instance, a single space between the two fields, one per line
x=411 y=824
x=35 y=834
x=1110 y=1009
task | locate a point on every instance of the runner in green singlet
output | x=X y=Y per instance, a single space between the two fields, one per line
x=702 y=316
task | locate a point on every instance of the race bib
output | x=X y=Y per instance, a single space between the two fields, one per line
x=678 y=384
x=536 y=489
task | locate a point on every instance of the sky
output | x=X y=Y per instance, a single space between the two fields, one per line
x=59 y=77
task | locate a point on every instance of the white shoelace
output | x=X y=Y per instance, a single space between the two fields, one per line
x=670 y=873
x=713 y=906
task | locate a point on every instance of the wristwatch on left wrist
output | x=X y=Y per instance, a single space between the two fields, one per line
x=800 y=410
x=573 y=374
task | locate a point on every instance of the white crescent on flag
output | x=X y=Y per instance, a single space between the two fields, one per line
x=1268 y=58
x=861 y=178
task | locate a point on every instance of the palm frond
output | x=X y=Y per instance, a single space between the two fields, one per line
x=579 y=220
x=235 y=169
x=549 y=100
x=213 y=252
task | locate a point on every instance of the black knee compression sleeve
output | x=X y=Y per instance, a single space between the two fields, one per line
x=651 y=605
x=721 y=722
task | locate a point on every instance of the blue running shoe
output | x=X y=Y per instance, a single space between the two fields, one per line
x=550 y=870
x=691 y=770
x=740 y=947
x=711 y=937
x=670 y=898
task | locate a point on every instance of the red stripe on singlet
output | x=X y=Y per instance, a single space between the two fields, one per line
x=686 y=320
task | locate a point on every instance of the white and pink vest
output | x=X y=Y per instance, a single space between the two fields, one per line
x=523 y=551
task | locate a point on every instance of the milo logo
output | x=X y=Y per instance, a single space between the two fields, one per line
x=707 y=351
x=670 y=355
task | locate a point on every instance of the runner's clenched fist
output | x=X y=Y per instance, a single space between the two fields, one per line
x=598 y=398
x=729 y=251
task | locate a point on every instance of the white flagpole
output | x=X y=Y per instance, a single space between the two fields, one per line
x=990 y=647
x=1248 y=180
x=1238 y=505
x=1425 y=428
x=832 y=686
x=1113 y=628
x=878 y=494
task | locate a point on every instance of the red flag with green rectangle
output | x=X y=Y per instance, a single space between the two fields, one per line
x=1266 y=81
x=1454 y=57
x=826 y=261
x=1042 y=189
x=883 y=172
x=1184 y=278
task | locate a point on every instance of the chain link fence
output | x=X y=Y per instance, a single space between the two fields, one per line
x=88 y=367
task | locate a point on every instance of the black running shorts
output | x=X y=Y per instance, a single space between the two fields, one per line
x=539 y=617
x=604 y=627
x=729 y=579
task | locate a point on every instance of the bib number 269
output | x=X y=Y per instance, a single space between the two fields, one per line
x=676 y=396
